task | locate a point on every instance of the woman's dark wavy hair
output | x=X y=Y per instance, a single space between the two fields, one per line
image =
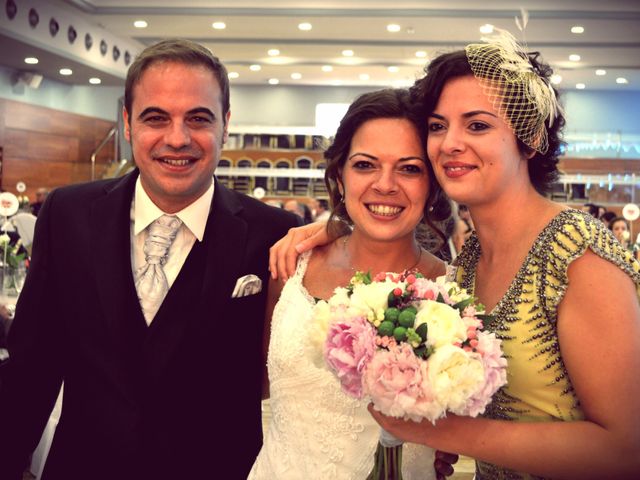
x=388 y=103
x=543 y=168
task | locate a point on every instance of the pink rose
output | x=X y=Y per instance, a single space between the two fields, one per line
x=495 y=373
x=398 y=384
x=347 y=350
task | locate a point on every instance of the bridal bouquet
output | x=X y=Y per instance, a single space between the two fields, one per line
x=415 y=347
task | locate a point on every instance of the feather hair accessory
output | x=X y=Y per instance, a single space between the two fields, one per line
x=522 y=98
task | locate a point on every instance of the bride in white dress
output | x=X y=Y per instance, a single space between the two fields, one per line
x=382 y=186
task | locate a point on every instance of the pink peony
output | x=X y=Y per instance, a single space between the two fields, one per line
x=398 y=384
x=347 y=350
x=495 y=373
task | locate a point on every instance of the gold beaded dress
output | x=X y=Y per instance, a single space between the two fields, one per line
x=539 y=388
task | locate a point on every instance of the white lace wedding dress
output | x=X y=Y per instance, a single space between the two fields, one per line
x=316 y=431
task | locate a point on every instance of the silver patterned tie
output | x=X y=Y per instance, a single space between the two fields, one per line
x=150 y=279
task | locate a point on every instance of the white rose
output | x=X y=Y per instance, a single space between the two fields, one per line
x=455 y=376
x=340 y=297
x=444 y=325
x=372 y=300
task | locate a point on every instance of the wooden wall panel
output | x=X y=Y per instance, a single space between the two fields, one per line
x=49 y=148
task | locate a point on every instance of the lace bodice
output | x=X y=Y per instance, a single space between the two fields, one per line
x=316 y=431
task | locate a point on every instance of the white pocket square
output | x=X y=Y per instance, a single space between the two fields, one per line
x=247 y=285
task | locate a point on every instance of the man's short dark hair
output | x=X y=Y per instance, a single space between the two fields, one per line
x=180 y=51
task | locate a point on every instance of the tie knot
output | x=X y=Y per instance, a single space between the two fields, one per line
x=161 y=234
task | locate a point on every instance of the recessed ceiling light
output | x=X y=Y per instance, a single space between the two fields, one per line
x=234 y=74
x=327 y=68
x=421 y=54
x=219 y=25
x=577 y=29
x=600 y=72
x=556 y=78
x=580 y=86
x=140 y=24
x=486 y=28
x=274 y=81
x=574 y=57
x=66 y=71
x=255 y=68
x=622 y=80
x=364 y=76
x=305 y=26
x=393 y=69
x=273 y=52
x=296 y=76
x=393 y=28
x=347 y=53
x=95 y=81
x=31 y=60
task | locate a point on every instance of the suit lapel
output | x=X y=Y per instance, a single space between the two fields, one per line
x=111 y=244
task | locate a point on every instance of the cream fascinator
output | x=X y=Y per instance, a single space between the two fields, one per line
x=523 y=98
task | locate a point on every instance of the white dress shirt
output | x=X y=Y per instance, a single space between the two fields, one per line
x=194 y=220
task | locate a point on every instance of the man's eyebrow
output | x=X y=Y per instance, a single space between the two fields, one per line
x=204 y=110
x=149 y=110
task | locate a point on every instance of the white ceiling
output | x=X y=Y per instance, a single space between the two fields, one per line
x=611 y=39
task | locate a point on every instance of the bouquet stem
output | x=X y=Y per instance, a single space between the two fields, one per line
x=387 y=464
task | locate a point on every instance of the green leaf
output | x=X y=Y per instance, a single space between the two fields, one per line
x=462 y=304
x=422 y=331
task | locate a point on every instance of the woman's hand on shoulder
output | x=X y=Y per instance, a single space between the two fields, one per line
x=284 y=253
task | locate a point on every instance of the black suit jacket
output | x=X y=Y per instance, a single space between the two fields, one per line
x=139 y=402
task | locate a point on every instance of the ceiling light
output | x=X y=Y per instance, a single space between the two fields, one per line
x=364 y=76
x=95 y=81
x=580 y=86
x=393 y=69
x=327 y=68
x=622 y=80
x=234 y=74
x=255 y=68
x=574 y=57
x=393 y=28
x=31 y=60
x=577 y=29
x=347 y=53
x=556 y=78
x=296 y=76
x=140 y=24
x=486 y=28
x=66 y=71
x=600 y=72
x=305 y=26
x=421 y=54
x=274 y=81
x=273 y=52
x=219 y=25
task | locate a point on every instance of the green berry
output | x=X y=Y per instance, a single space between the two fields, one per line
x=386 y=329
x=406 y=318
x=391 y=314
x=400 y=334
x=410 y=308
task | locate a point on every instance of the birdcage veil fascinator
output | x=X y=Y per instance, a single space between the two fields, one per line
x=521 y=96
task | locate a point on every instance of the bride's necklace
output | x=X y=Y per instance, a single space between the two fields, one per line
x=409 y=269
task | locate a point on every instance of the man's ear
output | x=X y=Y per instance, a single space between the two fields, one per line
x=225 y=133
x=127 y=124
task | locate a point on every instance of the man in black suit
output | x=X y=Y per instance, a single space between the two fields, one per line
x=146 y=395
